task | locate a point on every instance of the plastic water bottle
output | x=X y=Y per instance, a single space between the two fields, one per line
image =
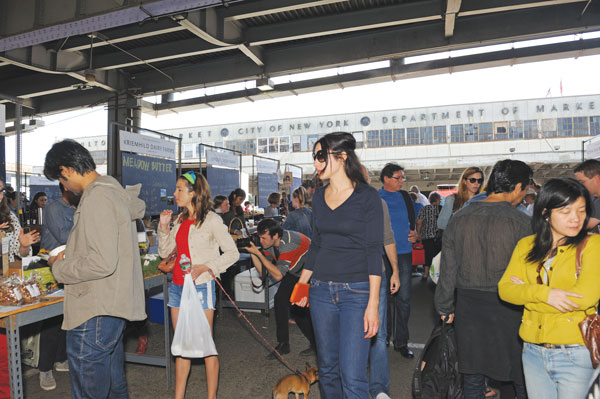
x=185 y=264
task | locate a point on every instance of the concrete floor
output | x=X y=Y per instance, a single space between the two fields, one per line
x=245 y=372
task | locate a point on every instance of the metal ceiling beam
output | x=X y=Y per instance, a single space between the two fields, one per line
x=476 y=7
x=381 y=17
x=452 y=8
x=268 y=7
x=41 y=83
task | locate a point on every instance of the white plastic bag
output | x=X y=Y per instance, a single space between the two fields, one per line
x=434 y=270
x=193 y=337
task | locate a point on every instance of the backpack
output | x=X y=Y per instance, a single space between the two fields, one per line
x=439 y=378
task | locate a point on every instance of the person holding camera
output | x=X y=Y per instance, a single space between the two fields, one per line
x=283 y=258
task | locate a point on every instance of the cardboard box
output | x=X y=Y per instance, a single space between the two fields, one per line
x=245 y=292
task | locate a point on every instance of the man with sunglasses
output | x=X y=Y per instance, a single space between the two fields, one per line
x=400 y=208
x=101 y=271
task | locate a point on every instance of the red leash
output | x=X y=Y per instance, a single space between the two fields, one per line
x=279 y=355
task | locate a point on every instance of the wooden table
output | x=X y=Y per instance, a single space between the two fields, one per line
x=13 y=317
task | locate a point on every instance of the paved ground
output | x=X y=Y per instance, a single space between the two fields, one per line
x=245 y=371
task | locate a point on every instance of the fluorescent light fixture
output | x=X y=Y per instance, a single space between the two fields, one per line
x=265 y=84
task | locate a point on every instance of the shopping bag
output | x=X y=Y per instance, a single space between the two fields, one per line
x=434 y=270
x=418 y=254
x=193 y=337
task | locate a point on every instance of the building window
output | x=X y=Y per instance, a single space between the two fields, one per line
x=471 y=132
x=188 y=150
x=486 y=132
x=439 y=134
x=549 y=128
x=360 y=139
x=457 y=134
x=262 y=146
x=580 y=126
x=515 y=130
x=426 y=134
x=385 y=138
x=530 y=129
x=296 y=145
x=412 y=136
x=565 y=127
x=399 y=138
x=501 y=131
x=594 y=125
x=373 y=138
x=311 y=140
x=284 y=144
x=273 y=144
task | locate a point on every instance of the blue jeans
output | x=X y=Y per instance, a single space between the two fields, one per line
x=379 y=368
x=562 y=373
x=337 y=311
x=398 y=308
x=96 y=362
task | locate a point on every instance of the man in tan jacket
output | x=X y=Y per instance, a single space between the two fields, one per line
x=100 y=269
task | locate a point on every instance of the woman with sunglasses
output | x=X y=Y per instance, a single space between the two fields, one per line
x=542 y=276
x=198 y=234
x=469 y=185
x=344 y=262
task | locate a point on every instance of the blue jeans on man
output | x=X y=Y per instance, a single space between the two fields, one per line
x=398 y=308
x=96 y=360
x=337 y=311
x=379 y=368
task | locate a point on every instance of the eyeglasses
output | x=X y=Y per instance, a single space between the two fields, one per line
x=321 y=155
x=398 y=177
x=473 y=180
x=190 y=176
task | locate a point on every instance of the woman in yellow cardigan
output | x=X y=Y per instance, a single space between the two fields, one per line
x=541 y=276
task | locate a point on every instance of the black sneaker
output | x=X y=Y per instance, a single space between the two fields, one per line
x=405 y=352
x=310 y=351
x=282 y=347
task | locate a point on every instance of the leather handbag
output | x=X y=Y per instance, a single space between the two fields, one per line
x=418 y=254
x=590 y=326
x=167 y=264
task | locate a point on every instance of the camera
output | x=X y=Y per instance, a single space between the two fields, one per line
x=244 y=242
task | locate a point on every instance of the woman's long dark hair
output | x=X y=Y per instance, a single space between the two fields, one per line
x=200 y=202
x=555 y=194
x=337 y=143
x=5 y=211
x=238 y=192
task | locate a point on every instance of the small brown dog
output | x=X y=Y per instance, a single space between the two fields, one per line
x=296 y=383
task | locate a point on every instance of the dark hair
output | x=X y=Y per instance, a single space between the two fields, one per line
x=506 y=174
x=413 y=196
x=37 y=196
x=308 y=184
x=555 y=193
x=5 y=211
x=269 y=225
x=274 y=198
x=388 y=170
x=434 y=196
x=218 y=201
x=590 y=168
x=70 y=154
x=200 y=200
x=238 y=192
x=340 y=142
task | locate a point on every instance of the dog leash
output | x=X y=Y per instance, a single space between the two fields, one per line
x=279 y=355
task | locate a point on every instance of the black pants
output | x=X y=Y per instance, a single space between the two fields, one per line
x=432 y=248
x=53 y=343
x=282 y=312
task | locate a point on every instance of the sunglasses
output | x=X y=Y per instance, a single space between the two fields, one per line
x=321 y=155
x=474 y=180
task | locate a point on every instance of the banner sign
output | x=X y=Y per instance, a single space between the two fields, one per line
x=158 y=178
x=593 y=149
x=227 y=159
x=266 y=166
x=134 y=142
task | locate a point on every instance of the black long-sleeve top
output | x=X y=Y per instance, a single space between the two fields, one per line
x=347 y=241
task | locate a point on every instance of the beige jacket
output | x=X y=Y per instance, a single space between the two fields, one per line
x=102 y=271
x=204 y=245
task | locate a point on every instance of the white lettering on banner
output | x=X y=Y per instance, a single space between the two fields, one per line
x=2 y=118
x=593 y=150
x=266 y=166
x=141 y=144
x=227 y=159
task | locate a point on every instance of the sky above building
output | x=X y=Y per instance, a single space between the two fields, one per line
x=567 y=77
